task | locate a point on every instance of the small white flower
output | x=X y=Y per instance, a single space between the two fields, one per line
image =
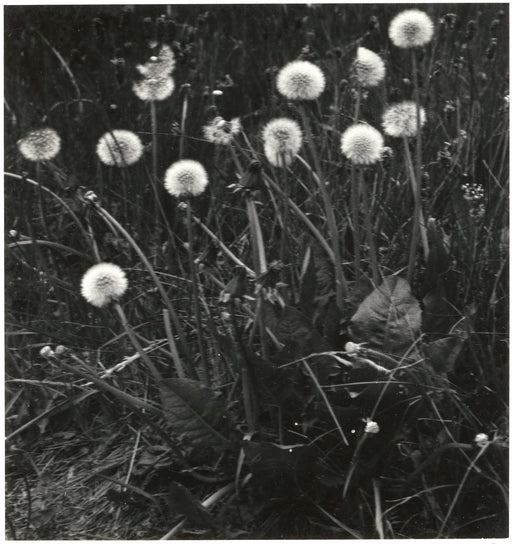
x=119 y=148
x=103 y=283
x=372 y=427
x=362 y=144
x=300 y=80
x=411 y=28
x=399 y=120
x=481 y=440
x=40 y=145
x=186 y=178
x=351 y=348
x=154 y=88
x=220 y=131
x=46 y=352
x=161 y=65
x=368 y=67
x=282 y=140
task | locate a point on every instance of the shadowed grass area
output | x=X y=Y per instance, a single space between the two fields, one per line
x=269 y=371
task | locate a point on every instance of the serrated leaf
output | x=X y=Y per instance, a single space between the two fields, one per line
x=195 y=413
x=389 y=319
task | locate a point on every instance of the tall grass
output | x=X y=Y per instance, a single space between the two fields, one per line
x=296 y=350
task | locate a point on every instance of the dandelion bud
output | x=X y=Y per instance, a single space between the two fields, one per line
x=91 y=196
x=154 y=88
x=369 y=68
x=372 y=427
x=399 y=120
x=47 y=352
x=217 y=92
x=60 y=350
x=300 y=80
x=119 y=148
x=411 y=28
x=103 y=283
x=186 y=178
x=282 y=140
x=481 y=440
x=352 y=348
x=40 y=145
x=13 y=234
x=362 y=144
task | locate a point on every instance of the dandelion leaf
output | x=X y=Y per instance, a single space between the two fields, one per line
x=195 y=413
x=388 y=319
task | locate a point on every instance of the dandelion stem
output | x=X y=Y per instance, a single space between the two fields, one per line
x=172 y=345
x=354 y=201
x=205 y=378
x=184 y=111
x=418 y=221
x=112 y=221
x=369 y=230
x=133 y=339
x=303 y=217
x=340 y=283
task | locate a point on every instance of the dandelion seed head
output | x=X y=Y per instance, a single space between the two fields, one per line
x=154 y=88
x=362 y=144
x=119 y=148
x=222 y=132
x=186 y=178
x=282 y=140
x=161 y=65
x=103 y=283
x=300 y=80
x=400 y=120
x=368 y=67
x=411 y=28
x=40 y=145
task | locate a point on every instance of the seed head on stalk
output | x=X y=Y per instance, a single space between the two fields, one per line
x=119 y=148
x=222 y=132
x=411 y=28
x=103 y=283
x=362 y=144
x=282 y=140
x=400 y=120
x=40 y=145
x=300 y=80
x=154 y=88
x=369 y=68
x=186 y=178
x=159 y=65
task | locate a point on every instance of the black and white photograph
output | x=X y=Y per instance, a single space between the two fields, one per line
x=256 y=271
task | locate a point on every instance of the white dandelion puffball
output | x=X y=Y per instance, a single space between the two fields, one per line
x=282 y=140
x=362 y=144
x=119 y=148
x=103 y=283
x=154 y=88
x=300 y=80
x=369 y=68
x=411 y=28
x=222 y=132
x=400 y=119
x=372 y=427
x=161 y=65
x=186 y=178
x=481 y=440
x=40 y=145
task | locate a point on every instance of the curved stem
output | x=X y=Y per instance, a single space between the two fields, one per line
x=195 y=297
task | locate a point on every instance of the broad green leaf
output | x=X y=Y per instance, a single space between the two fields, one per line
x=389 y=319
x=195 y=413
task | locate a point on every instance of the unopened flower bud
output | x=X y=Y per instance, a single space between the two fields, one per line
x=481 y=440
x=46 y=352
x=372 y=427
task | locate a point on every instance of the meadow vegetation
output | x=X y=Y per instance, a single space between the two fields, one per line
x=256 y=271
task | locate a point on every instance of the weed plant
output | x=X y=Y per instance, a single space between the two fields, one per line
x=256 y=271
